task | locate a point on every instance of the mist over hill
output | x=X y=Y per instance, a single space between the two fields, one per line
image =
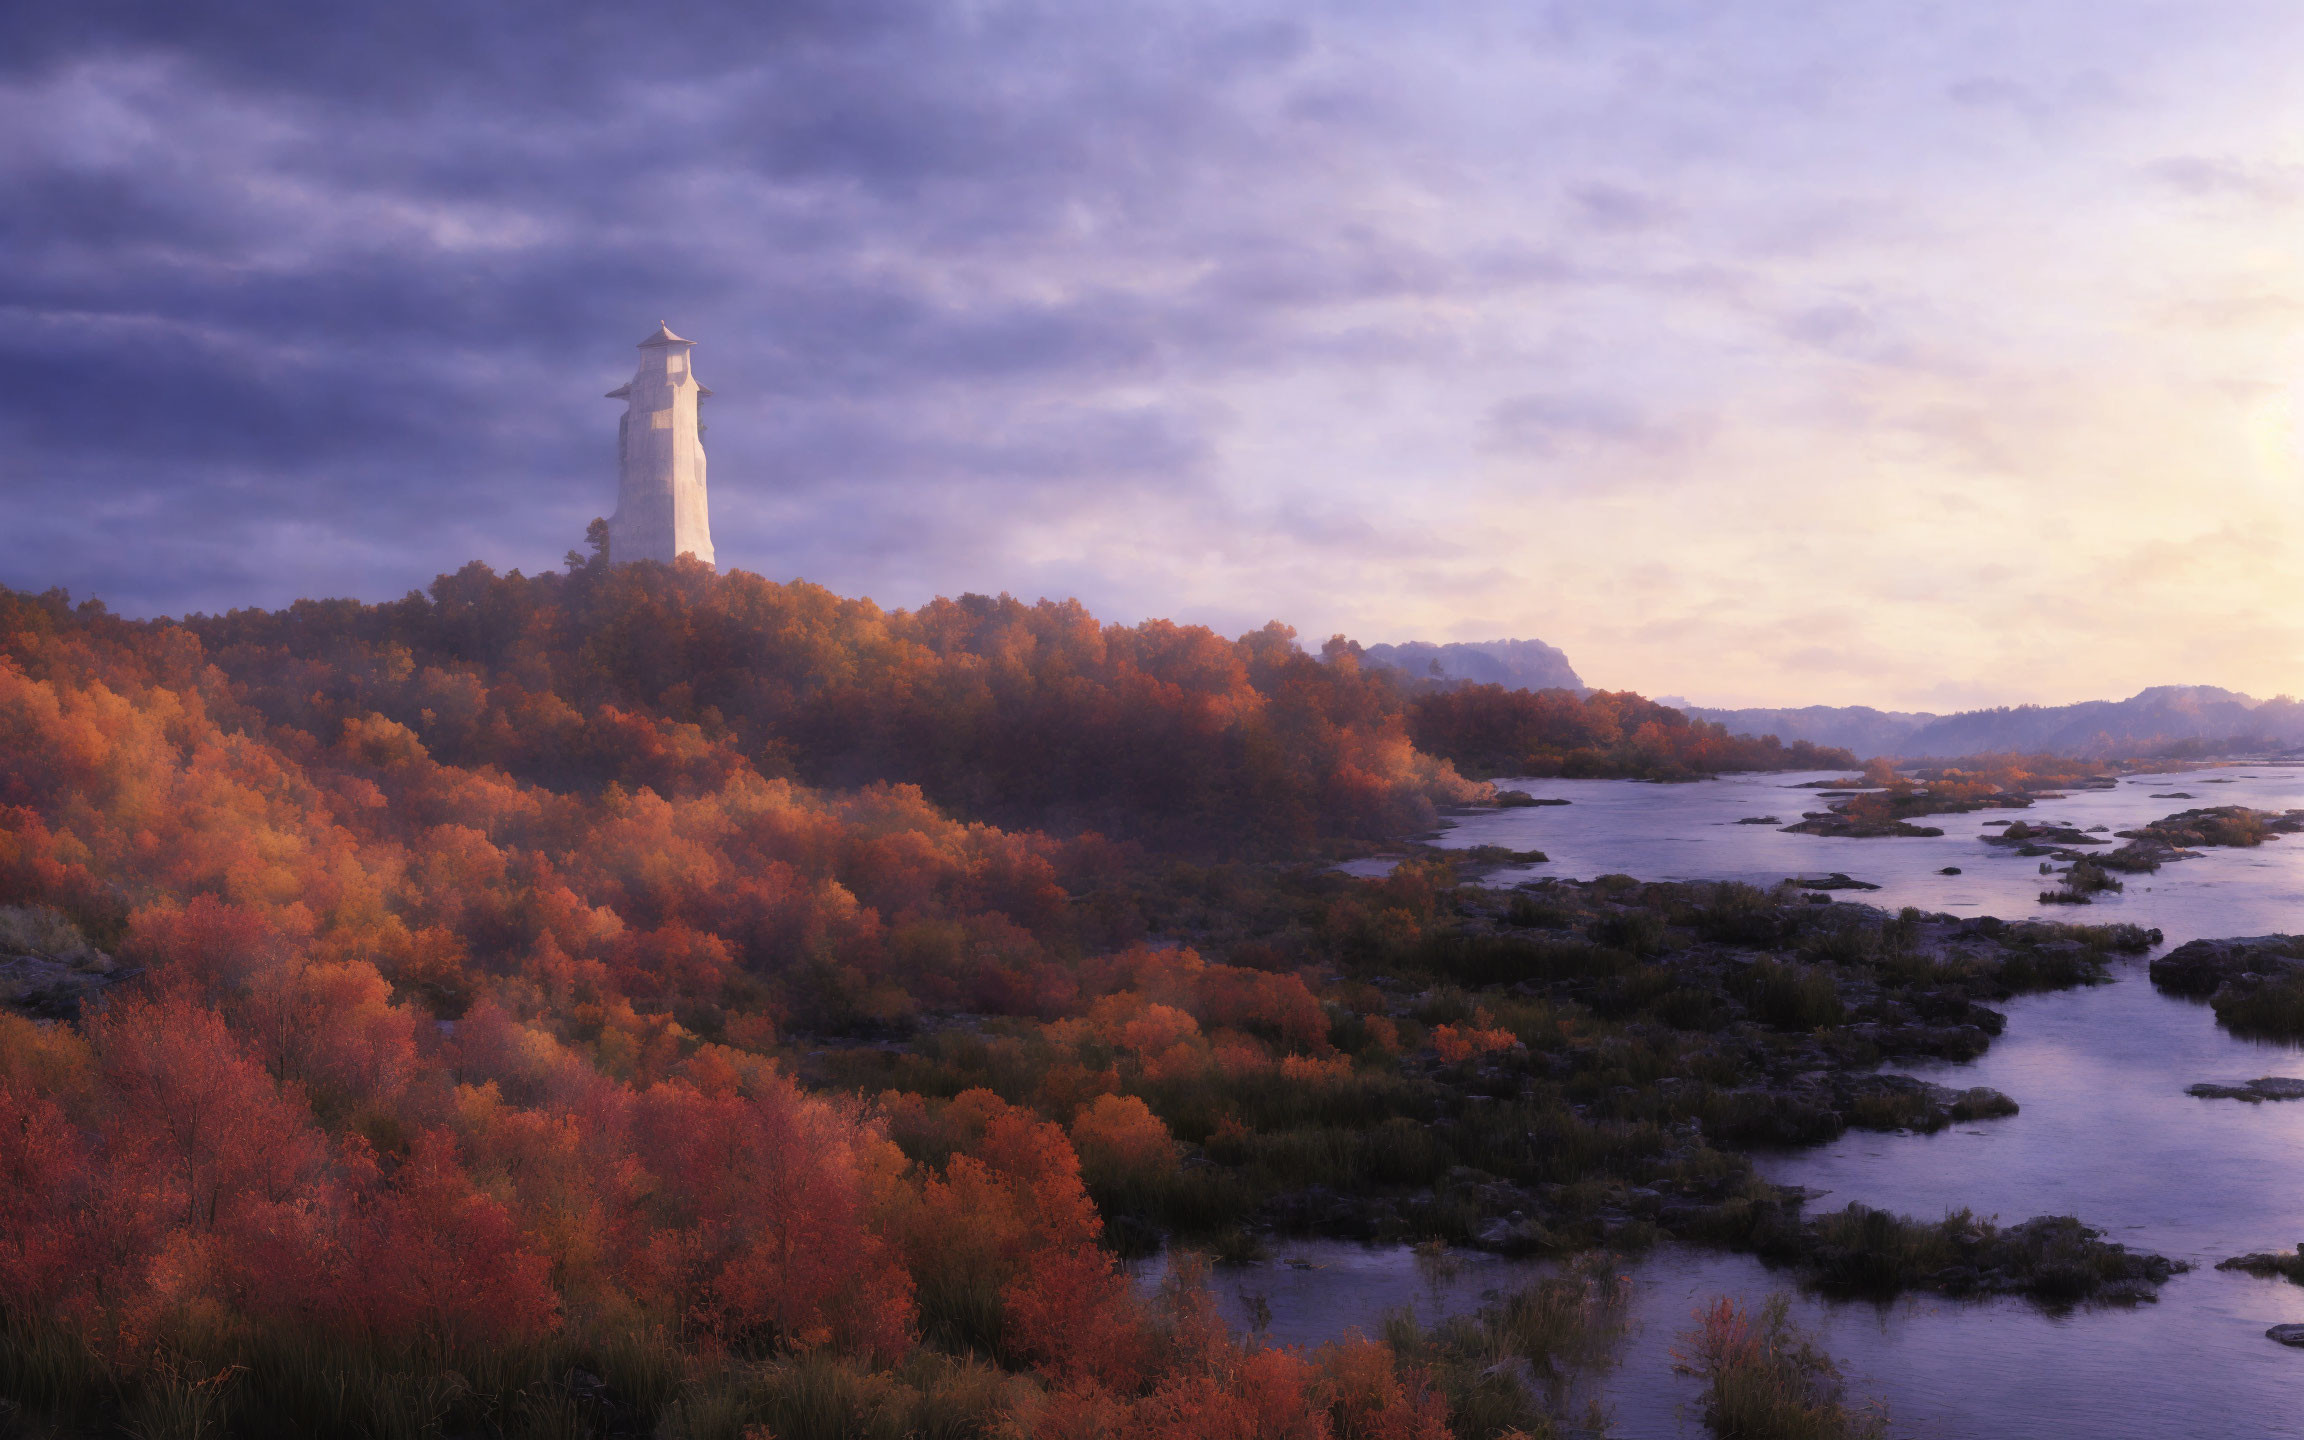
x=2173 y=720
x=1855 y=727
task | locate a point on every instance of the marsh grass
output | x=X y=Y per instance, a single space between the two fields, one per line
x=1737 y=914
x=179 y=1403
x=2270 y=1009
x=1522 y=1362
x=2054 y=1259
x=1531 y=913
x=1508 y=959
x=204 y=1384
x=2082 y=883
x=1863 y=1249
x=1765 y=1379
x=1639 y=933
x=635 y=1383
x=48 y=1370
x=1792 y=997
x=1895 y=1110
x=1981 y=1102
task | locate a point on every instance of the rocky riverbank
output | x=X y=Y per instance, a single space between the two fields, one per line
x=1690 y=1023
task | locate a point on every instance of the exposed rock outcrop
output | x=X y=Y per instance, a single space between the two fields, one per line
x=2286 y=1264
x=2202 y=967
x=48 y=969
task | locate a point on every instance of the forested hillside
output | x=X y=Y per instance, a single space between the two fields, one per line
x=437 y=968
x=1033 y=714
x=1490 y=730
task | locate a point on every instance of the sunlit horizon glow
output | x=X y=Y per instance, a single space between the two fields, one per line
x=1774 y=355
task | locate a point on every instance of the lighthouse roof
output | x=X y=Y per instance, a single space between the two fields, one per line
x=663 y=336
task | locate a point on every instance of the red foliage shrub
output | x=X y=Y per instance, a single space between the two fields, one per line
x=1459 y=1043
x=1122 y=1144
x=200 y=1124
x=439 y=1261
x=45 y=1248
x=763 y=1198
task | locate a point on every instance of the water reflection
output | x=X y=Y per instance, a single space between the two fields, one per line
x=2106 y=1133
x=1689 y=832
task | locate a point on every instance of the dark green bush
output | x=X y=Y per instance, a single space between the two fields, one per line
x=1635 y=932
x=1531 y=913
x=1793 y=997
x=1735 y=914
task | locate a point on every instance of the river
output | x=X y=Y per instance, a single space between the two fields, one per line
x=2106 y=1133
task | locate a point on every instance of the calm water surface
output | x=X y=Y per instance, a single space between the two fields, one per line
x=2106 y=1133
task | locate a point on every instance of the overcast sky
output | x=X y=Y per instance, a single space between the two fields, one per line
x=1919 y=355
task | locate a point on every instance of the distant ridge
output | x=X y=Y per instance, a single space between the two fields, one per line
x=1515 y=664
x=2171 y=720
x=2175 y=721
x=1854 y=727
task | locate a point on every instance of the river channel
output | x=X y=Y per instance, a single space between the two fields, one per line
x=2106 y=1133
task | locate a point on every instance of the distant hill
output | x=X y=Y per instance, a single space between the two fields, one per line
x=2172 y=720
x=1854 y=727
x=1515 y=664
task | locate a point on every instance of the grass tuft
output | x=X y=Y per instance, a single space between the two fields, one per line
x=1764 y=1379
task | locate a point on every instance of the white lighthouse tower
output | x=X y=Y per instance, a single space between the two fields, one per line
x=660 y=504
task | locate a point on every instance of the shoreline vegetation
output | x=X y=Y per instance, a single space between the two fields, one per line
x=1488 y=731
x=640 y=1001
x=1763 y=1377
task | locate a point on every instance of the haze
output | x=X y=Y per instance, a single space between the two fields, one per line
x=1913 y=355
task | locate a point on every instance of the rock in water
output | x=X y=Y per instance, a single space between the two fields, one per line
x=2287 y=1334
x=1512 y=798
x=1981 y=1103
x=2264 y=1087
x=2284 y=1263
x=2199 y=967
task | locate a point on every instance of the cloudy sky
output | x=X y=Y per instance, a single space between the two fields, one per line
x=1913 y=354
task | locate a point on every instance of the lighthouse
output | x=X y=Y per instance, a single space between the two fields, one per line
x=660 y=503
